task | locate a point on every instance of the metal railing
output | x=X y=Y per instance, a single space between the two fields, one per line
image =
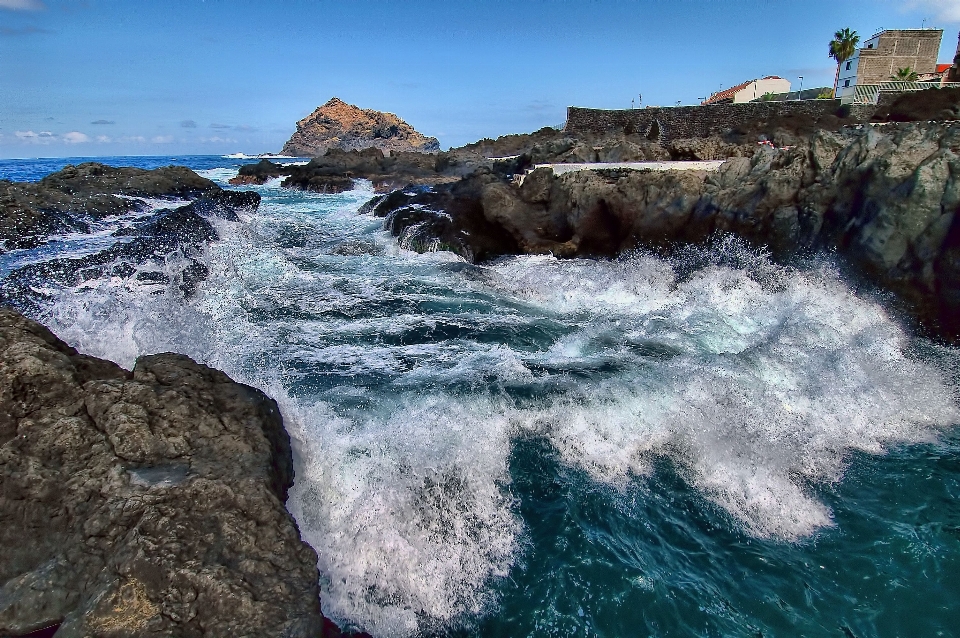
x=870 y=93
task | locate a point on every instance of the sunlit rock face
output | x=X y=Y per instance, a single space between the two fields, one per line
x=337 y=124
x=142 y=503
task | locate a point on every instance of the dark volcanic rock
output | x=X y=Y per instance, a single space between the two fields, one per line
x=885 y=197
x=93 y=178
x=182 y=230
x=72 y=199
x=258 y=174
x=555 y=146
x=144 y=503
x=336 y=170
x=933 y=104
x=447 y=217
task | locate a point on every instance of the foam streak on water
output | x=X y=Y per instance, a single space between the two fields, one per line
x=406 y=380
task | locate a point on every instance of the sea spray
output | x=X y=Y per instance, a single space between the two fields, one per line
x=407 y=382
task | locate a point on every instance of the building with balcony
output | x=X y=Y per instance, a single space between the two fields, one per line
x=887 y=52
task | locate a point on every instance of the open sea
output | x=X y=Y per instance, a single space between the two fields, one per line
x=708 y=445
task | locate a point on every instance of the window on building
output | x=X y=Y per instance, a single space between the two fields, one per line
x=846 y=83
x=869 y=46
x=849 y=64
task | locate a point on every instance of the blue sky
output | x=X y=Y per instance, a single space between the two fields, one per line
x=152 y=77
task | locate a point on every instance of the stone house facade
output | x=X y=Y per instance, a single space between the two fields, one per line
x=886 y=52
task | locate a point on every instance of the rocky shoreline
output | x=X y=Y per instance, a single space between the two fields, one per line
x=144 y=503
x=79 y=199
x=883 y=197
x=151 y=502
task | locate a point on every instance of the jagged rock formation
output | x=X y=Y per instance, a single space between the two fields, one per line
x=72 y=199
x=78 y=198
x=143 y=503
x=886 y=198
x=336 y=170
x=344 y=126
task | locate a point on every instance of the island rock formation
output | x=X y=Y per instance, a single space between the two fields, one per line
x=143 y=503
x=338 y=125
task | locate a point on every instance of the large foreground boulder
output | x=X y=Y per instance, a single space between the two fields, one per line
x=144 y=503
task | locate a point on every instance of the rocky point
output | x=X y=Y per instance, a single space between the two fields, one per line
x=344 y=126
x=143 y=503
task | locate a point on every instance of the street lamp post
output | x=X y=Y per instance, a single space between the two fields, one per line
x=800 y=94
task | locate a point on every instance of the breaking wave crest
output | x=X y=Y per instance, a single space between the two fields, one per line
x=405 y=381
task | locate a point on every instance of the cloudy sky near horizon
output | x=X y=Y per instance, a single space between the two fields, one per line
x=113 y=77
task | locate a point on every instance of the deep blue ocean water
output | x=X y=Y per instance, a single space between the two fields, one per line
x=708 y=446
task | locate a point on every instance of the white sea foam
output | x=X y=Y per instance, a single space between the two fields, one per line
x=756 y=381
x=220 y=175
x=769 y=390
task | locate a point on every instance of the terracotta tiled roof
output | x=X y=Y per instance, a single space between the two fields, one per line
x=728 y=94
x=942 y=68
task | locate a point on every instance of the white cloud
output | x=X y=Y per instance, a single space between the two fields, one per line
x=22 y=5
x=47 y=137
x=75 y=137
x=43 y=137
x=162 y=139
x=103 y=139
x=947 y=10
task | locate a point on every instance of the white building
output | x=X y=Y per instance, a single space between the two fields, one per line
x=888 y=51
x=750 y=91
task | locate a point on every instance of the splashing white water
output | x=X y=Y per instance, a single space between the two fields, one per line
x=397 y=376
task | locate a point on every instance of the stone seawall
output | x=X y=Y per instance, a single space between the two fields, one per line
x=668 y=123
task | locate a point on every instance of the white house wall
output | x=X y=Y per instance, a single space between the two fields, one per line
x=756 y=90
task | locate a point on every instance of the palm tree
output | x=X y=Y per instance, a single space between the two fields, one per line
x=842 y=48
x=905 y=75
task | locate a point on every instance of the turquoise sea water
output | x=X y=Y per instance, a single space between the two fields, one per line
x=707 y=446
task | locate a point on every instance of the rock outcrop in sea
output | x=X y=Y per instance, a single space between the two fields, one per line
x=338 y=125
x=883 y=197
x=143 y=503
x=75 y=198
x=82 y=199
x=336 y=170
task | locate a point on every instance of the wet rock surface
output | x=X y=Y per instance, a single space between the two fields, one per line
x=883 y=197
x=72 y=199
x=336 y=171
x=161 y=248
x=143 y=503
